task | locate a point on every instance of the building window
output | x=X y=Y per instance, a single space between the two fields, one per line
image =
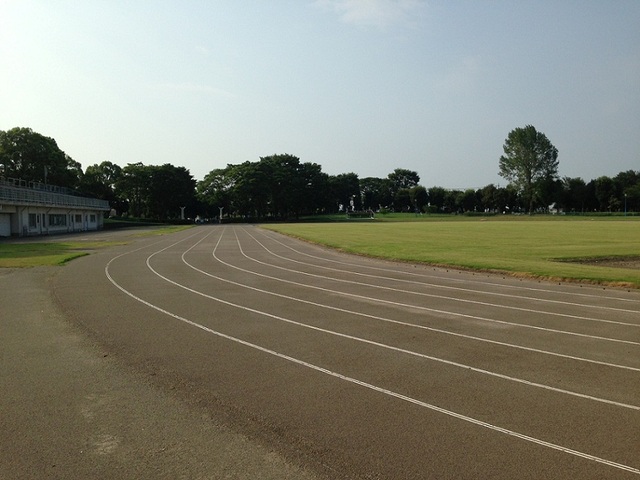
x=78 y=218
x=92 y=218
x=57 y=220
x=33 y=220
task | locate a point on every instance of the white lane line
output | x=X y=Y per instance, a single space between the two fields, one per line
x=375 y=388
x=456 y=299
x=420 y=307
x=456 y=280
x=389 y=320
x=371 y=342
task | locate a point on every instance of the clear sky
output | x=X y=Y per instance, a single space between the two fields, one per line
x=362 y=86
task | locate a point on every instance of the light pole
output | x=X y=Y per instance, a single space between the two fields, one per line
x=220 y=218
x=625 y=204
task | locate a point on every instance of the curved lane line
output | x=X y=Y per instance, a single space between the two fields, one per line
x=377 y=344
x=355 y=381
x=420 y=307
x=398 y=322
x=486 y=304
x=456 y=280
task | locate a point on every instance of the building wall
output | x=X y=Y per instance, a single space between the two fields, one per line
x=29 y=221
x=5 y=224
x=36 y=209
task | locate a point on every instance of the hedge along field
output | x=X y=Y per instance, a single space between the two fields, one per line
x=543 y=247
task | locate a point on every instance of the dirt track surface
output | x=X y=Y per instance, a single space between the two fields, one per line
x=232 y=352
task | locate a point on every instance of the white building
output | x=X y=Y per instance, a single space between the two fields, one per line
x=30 y=208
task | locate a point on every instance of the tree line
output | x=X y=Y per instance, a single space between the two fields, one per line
x=282 y=187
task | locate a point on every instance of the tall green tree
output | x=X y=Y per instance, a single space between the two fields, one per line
x=312 y=187
x=529 y=159
x=606 y=194
x=402 y=200
x=30 y=156
x=628 y=189
x=250 y=194
x=170 y=189
x=632 y=198
x=132 y=187
x=215 y=191
x=488 y=196
x=345 y=189
x=419 y=197
x=157 y=192
x=468 y=200
x=401 y=179
x=100 y=181
x=452 y=201
x=436 y=198
x=627 y=179
x=277 y=186
x=574 y=194
x=375 y=193
x=282 y=175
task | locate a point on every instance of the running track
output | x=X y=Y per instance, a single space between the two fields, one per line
x=367 y=369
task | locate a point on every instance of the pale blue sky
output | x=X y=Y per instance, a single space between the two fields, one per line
x=363 y=86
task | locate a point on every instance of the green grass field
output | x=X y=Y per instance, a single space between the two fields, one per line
x=528 y=246
x=21 y=255
x=36 y=254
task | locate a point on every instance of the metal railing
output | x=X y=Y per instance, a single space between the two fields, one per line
x=19 y=192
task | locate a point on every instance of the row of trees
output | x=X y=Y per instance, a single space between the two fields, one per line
x=29 y=156
x=146 y=191
x=139 y=190
x=283 y=187
x=530 y=164
x=571 y=195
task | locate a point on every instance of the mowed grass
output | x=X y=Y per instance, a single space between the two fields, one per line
x=537 y=247
x=23 y=255
x=46 y=253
